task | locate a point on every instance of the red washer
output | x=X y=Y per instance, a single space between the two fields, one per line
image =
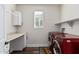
x=64 y=44
x=70 y=46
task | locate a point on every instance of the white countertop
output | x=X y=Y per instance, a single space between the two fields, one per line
x=13 y=36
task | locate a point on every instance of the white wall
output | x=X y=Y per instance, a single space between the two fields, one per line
x=69 y=11
x=39 y=37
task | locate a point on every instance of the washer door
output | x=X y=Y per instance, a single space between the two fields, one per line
x=56 y=47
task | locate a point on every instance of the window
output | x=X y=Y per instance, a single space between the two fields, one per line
x=38 y=19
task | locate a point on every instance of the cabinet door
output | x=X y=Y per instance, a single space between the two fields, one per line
x=2 y=29
x=17 y=18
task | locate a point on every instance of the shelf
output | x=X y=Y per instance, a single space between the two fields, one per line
x=70 y=22
x=13 y=36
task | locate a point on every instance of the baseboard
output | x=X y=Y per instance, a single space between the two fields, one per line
x=37 y=45
x=14 y=51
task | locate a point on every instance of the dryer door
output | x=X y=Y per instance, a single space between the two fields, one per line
x=56 y=47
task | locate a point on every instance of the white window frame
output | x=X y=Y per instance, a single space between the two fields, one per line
x=39 y=17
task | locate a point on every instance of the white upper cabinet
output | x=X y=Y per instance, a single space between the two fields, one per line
x=17 y=18
x=69 y=12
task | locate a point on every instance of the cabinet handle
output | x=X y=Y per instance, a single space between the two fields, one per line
x=6 y=43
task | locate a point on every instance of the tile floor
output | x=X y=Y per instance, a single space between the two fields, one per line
x=31 y=50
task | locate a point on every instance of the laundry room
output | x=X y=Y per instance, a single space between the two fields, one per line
x=39 y=28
